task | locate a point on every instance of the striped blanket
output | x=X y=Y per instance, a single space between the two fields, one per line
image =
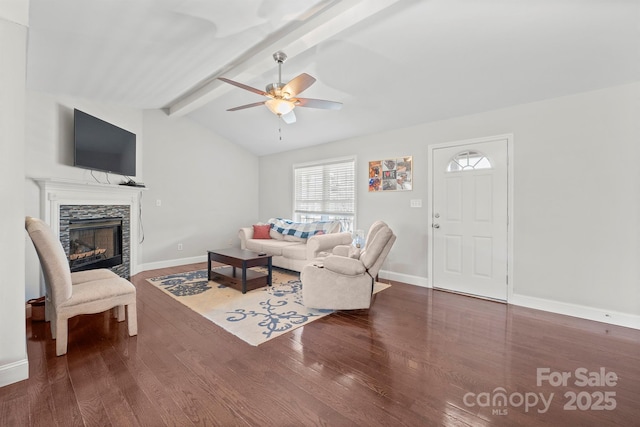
x=303 y=230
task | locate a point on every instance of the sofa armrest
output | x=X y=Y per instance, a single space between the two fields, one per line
x=341 y=250
x=326 y=242
x=344 y=265
x=245 y=233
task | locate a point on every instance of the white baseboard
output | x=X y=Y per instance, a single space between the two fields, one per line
x=583 y=312
x=14 y=372
x=404 y=278
x=575 y=310
x=172 y=263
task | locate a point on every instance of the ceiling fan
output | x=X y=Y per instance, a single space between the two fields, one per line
x=283 y=98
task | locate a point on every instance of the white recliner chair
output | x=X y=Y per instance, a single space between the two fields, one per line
x=344 y=280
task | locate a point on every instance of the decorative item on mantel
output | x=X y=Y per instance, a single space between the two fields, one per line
x=391 y=174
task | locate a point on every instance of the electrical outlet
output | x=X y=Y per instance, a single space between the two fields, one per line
x=158 y=202
x=179 y=246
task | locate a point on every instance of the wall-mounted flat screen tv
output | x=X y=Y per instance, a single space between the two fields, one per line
x=102 y=146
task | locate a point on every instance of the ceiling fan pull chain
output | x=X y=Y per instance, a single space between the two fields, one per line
x=279 y=128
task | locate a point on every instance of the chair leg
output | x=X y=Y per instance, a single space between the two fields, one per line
x=120 y=313
x=132 y=320
x=52 y=324
x=61 y=332
x=47 y=310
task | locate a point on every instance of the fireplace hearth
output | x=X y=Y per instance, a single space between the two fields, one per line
x=95 y=243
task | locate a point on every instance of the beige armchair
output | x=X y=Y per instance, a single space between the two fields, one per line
x=344 y=280
x=70 y=294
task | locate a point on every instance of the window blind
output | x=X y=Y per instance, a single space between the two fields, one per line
x=325 y=191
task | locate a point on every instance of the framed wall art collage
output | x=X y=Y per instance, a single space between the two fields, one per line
x=391 y=174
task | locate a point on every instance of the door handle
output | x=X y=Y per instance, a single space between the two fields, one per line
x=436 y=225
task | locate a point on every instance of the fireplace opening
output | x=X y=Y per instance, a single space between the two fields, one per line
x=95 y=243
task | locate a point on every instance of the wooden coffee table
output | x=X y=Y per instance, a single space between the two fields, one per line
x=243 y=259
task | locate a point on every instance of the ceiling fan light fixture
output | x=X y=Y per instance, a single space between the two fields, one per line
x=280 y=106
x=284 y=97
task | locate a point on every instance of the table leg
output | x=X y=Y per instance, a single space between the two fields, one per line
x=269 y=272
x=244 y=277
x=209 y=266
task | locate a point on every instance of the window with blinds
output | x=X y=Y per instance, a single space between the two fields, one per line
x=325 y=191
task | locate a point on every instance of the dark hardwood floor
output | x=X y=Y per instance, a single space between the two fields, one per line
x=418 y=357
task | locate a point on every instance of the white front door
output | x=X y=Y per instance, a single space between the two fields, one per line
x=470 y=218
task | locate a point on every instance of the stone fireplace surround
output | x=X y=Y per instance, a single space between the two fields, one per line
x=61 y=200
x=71 y=212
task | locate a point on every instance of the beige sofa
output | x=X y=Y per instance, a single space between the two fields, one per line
x=291 y=252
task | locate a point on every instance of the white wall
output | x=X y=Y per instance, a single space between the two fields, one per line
x=13 y=38
x=577 y=204
x=409 y=224
x=207 y=188
x=49 y=154
x=50 y=136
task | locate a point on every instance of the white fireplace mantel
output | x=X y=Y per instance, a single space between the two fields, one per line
x=56 y=192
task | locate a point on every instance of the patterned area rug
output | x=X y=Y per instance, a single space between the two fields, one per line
x=255 y=317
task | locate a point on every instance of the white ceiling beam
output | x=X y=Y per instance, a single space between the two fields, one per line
x=324 y=22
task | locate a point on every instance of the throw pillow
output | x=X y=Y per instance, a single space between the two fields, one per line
x=261 y=231
x=275 y=235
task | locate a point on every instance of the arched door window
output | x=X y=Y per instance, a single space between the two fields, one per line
x=467 y=161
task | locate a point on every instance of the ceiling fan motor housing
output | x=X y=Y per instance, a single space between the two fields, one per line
x=275 y=90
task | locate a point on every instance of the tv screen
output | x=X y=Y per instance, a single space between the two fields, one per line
x=102 y=146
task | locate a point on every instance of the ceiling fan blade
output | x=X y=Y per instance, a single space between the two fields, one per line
x=318 y=103
x=289 y=118
x=298 y=84
x=243 y=86
x=242 y=107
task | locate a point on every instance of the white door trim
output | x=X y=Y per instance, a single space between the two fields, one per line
x=510 y=211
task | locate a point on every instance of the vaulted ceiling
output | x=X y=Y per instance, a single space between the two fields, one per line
x=392 y=63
